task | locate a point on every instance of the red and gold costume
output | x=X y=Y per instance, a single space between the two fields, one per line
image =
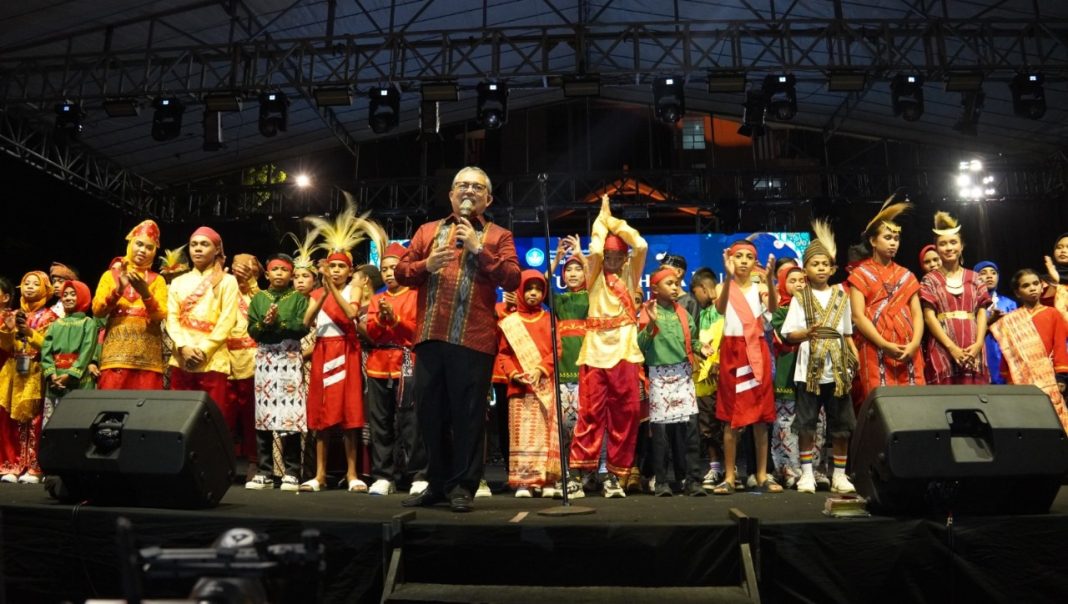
x=131 y=355
x=1033 y=344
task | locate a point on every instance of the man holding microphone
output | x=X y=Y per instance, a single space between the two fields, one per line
x=456 y=264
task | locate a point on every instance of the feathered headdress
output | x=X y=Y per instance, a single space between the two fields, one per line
x=174 y=261
x=824 y=241
x=886 y=216
x=346 y=231
x=944 y=224
x=302 y=256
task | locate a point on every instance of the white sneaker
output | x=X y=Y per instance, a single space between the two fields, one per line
x=711 y=479
x=260 y=483
x=548 y=492
x=611 y=488
x=290 y=483
x=522 y=493
x=418 y=487
x=9 y=478
x=807 y=483
x=382 y=487
x=840 y=483
x=483 y=489
x=28 y=478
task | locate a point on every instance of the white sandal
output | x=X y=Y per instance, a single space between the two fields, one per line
x=311 y=486
x=357 y=486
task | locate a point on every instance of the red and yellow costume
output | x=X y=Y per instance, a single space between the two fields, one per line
x=131 y=355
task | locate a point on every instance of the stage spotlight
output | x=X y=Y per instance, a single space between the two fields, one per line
x=781 y=96
x=753 y=115
x=971 y=107
x=492 y=110
x=120 y=107
x=213 y=136
x=1028 y=95
x=384 y=112
x=303 y=180
x=69 y=116
x=274 y=112
x=429 y=117
x=167 y=120
x=669 y=99
x=973 y=184
x=906 y=94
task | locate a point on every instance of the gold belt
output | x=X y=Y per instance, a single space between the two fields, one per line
x=955 y=314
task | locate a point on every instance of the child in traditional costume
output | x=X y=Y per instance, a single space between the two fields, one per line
x=70 y=347
x=999 y=307
x=24 y=407
x=526 y=347
x=784 y=452
x=335 y=392
x=201 y=313
x=706 y=378
x=929 y=260
x=746 y=394
x=666 y=339
x=1033 y=340
x=397 y=451
x=276 y=323
x=887 y=317
x=819 y=320
x=954 y=302
x=132 y=300
x=571 y=308
x=305 y=281
x=609 y=359
x=1055 y=290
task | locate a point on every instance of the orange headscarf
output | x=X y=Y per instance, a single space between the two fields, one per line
x=46 y=286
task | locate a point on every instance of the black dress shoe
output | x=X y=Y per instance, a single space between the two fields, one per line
x=460 y=503
x=426 y=498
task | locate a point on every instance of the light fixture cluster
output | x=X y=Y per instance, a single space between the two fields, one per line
x=973 y=183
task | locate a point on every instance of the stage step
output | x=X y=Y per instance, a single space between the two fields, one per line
x=538 y=594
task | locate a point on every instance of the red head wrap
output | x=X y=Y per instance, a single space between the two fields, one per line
x=615 y=243
x=662 y=274
x=740 y=244
x=213 y=236
x=394 y=250
x=924 y=250
x=784 y=272
x=525 y=278
x=58 y=269
x=147 y=228
x=340 y=257
x=282 y=261
x=81 y=290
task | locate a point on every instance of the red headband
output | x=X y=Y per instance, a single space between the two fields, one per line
x=615 y=243
x=340 y=257
x=281 y=261
x=662 y=274
x=740 y=244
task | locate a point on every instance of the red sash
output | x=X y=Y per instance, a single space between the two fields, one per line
x=752 y=330
x=190 y=301
x=336 y=314
x=618 y=288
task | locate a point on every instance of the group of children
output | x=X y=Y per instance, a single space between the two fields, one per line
x=658 y=391
x=668 y=387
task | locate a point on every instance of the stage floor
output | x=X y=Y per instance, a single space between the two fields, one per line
x=56 y=552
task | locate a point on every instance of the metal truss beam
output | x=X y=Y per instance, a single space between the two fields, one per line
x=621 y=53
x=33 y=143
x=404 y=202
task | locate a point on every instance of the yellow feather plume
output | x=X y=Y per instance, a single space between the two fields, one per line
x=348 y=229
x=887 y=214
x=944 y=224
x=302 y=256
x=174 y=260
x=824 y=235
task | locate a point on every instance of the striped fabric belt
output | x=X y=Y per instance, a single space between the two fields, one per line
x=571 y=327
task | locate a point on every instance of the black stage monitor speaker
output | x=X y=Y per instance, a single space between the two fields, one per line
x=962 y=449
x=150 y=448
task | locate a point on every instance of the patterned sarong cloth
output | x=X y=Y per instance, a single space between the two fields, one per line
x=671 y=393
x=280 y=388
x=534 y=445
x=1027 y=358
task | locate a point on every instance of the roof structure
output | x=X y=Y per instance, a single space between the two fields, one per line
x=90 y=52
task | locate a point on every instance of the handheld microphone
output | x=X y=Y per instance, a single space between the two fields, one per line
x=467 y=207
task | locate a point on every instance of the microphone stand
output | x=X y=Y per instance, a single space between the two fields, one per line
x=565 y=473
